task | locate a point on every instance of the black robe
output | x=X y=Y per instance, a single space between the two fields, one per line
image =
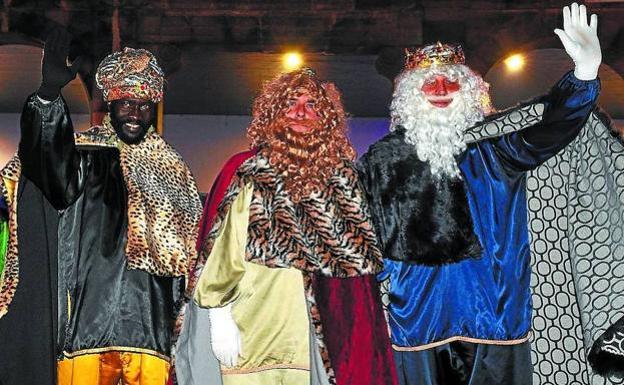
x=28 y=330
x=75 y=293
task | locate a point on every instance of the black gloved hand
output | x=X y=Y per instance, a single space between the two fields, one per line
x=56 y=73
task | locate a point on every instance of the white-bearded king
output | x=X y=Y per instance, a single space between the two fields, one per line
x=452 y=216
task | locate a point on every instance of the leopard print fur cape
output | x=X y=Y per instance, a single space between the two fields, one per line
x=163 y=202
x=9 y=276
x=328 y=233
x=163 y=207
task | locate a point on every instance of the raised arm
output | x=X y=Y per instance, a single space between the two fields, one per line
x=47 y=151
x=570 y=101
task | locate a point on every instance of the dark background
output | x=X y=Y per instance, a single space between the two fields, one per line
x=217 y=53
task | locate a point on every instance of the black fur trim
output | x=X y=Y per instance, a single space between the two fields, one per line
x=417 y=218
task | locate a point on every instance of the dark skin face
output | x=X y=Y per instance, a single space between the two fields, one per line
x=131 y=118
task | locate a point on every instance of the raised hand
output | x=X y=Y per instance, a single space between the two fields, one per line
x=224 y=335
x=580 y=40
x=54 y=68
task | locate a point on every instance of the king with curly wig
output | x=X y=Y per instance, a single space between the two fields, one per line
x=293 y=214
x=305 y=160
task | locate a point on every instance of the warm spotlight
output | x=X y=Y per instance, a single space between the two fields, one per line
x=514 y=62
x=292 y=61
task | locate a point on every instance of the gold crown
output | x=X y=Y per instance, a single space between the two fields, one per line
x=434 y=54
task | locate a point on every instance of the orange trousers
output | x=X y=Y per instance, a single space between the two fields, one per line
x=113 y=368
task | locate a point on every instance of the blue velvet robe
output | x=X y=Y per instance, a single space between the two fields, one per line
x=485 y=299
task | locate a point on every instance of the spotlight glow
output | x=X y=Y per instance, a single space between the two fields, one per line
x=515 y=62
x=292 y=61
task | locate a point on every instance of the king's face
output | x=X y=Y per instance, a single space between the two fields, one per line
x=439 y=90
x=131 y=118
x=301 y=110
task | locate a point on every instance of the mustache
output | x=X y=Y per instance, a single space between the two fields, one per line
x=287 y=122
x=439 y=97
x=302 y=141
x=297 y=142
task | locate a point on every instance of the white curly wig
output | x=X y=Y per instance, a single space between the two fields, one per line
x=438 y=133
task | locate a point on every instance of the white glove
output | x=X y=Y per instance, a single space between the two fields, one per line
x=580 y=41
x=224 y=335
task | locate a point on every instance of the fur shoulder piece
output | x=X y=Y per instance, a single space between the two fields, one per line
x=418 y=219
x=163 y=201
x=328 y=233
x=389 y=141
x=9 y=275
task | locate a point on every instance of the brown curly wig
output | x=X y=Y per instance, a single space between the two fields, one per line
x=307 y=160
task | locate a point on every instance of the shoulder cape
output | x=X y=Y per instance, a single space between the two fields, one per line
x=576 y=223
x=329 y=232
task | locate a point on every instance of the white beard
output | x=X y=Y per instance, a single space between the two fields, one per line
x=437 y=133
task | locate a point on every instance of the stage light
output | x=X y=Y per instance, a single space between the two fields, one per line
x=292 y=61
x=515 y=62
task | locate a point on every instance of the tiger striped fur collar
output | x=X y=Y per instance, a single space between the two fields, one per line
x=328 y=233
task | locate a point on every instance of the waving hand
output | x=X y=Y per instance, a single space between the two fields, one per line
x=580 y=40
